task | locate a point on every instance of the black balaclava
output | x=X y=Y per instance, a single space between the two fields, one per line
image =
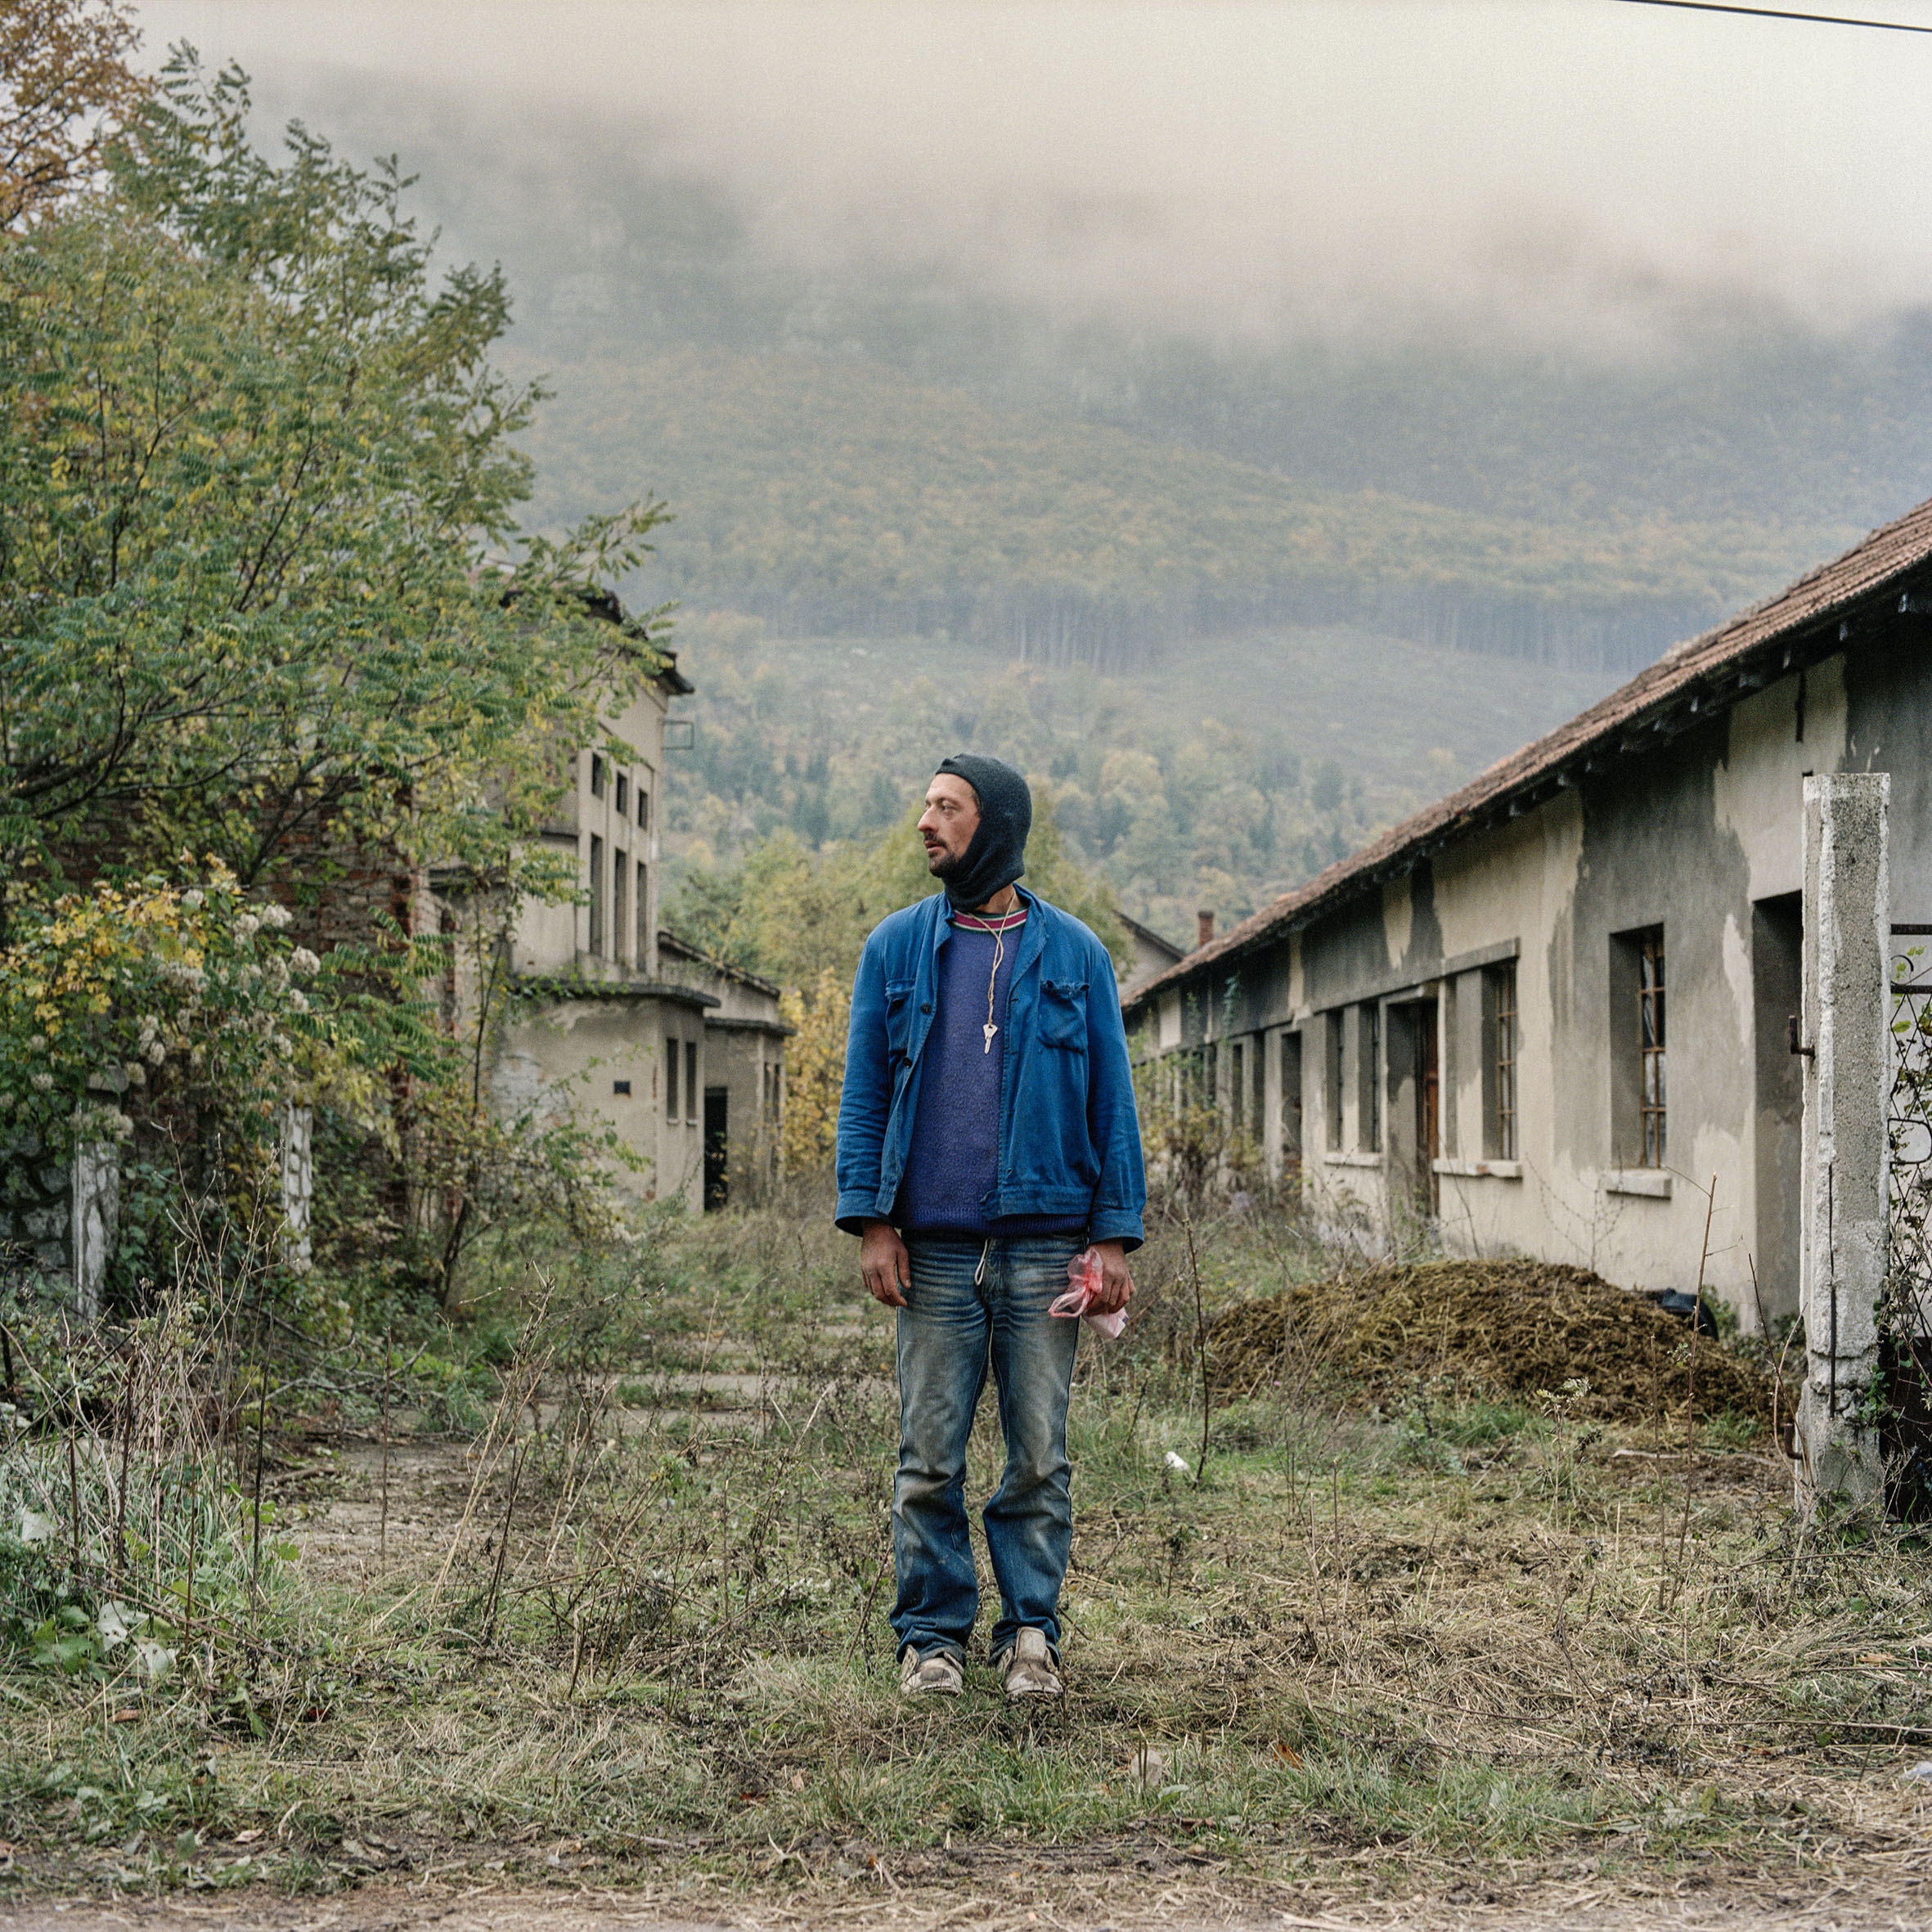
x=997 y=855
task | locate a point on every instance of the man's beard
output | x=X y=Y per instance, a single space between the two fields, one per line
x=943 y=864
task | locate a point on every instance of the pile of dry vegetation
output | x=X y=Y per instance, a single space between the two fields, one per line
x=1495 y=1328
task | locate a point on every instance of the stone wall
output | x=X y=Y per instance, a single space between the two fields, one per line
x=36 y=1204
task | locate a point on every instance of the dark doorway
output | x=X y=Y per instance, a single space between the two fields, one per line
x=1428 y=1109
x=717 y=1147
x=1778 y=940
x=1415 y=1136
x=1291 y=1101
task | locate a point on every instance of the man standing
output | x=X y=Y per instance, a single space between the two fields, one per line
x=986 y=1134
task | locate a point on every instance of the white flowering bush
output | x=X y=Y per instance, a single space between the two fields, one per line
x=167 y=1020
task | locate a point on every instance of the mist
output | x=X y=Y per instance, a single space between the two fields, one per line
x=1263 y=362
x=1580 y=176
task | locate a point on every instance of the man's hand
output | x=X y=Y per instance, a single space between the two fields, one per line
x=886 y=1265
x=1117 y=1284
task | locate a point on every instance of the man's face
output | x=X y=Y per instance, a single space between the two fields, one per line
x=948 y=823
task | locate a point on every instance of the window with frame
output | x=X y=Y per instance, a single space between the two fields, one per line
x=642 y=955
x=1502 y=989
x=1651 y=1046
x=644 y=809
x=1237 y=1083
x=597 y=775
x=597 y=894
x=623 y=796
x=1290 y=1050
x=691 y=1082
x=670 y=1060
x=620 y=882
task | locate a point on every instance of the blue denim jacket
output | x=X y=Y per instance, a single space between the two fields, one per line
x=1069 y=1138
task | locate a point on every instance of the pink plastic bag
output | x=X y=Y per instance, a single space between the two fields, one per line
x=1083 y=1275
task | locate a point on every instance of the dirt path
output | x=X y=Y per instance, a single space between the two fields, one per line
x=1868 y=1904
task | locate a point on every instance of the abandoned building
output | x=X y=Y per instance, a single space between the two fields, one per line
x=745 y=1072
x=683 y=1056
x=689 y=1069
x=1151 y=953
x=1572 y=1008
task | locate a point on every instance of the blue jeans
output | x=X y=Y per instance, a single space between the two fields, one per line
x=952 y=1328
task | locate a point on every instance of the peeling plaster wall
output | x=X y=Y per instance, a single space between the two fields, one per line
x=1754 y=785
x=572 y=1055
x=1398 y=918
x=1515 y=885
x=569 y=1057
x=1888 y=728
x=1703 y=837
x=552 y=941
x=1687 y=839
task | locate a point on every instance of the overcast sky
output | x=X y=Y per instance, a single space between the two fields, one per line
x=1579 y=173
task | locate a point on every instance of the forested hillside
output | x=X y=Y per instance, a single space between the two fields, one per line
x=870 y=443
x=838 y=495
x=1216 y=777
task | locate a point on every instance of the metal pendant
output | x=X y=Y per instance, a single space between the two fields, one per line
x=989 y=1029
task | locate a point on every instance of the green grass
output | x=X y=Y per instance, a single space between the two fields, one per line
x=1368 y=1649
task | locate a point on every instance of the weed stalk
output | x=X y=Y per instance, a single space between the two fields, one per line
x=388 y=1357
x=1187 y=1221
x=1683 y=1528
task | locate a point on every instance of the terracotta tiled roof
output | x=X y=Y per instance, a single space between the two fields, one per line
x=1692 y=680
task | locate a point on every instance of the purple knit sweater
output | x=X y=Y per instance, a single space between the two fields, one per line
x=954 y=1163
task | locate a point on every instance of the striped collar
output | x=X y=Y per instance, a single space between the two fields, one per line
x=973 y=922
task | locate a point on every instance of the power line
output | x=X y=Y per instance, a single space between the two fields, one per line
x=1779 y=13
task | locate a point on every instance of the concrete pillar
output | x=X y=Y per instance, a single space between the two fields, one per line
x=1846 y=1023
x=96 y=1212
x=298 y=1184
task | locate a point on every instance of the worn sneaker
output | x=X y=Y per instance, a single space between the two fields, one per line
x=935 y=1673
x=1029 y=1667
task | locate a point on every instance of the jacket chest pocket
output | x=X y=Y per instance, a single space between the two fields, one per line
x=1063 y=1014
x=899 y=1014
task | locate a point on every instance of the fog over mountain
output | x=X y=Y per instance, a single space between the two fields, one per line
x=1558 y=328
x=1579 y=259
x=1578 y=176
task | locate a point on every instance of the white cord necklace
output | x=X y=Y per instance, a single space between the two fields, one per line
x=999 y=927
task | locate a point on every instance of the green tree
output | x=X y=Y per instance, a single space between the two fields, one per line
x=255 y=578
x=65 y=87
x=265 y=607
x=795 y=915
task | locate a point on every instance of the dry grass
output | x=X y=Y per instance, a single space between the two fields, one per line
x=1469 y=1641
x=1485 y=1328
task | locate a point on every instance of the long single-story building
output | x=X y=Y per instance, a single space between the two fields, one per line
x=1553 y=1012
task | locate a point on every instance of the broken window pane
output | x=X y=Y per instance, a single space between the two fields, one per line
x=1502 y=993
x=1650 y=1032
